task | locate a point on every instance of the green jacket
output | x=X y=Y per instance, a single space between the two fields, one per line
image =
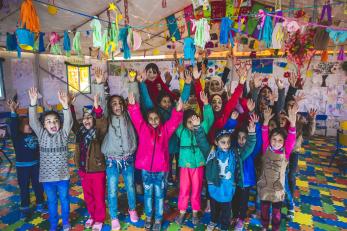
x=190 y=154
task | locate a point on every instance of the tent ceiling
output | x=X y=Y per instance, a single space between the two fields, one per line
x=141 y=13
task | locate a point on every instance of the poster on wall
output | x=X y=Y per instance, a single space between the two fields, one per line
x=22 y=79
x=335 y=101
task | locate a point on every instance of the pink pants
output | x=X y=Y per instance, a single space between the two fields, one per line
x=93 y=185
x=190 y=183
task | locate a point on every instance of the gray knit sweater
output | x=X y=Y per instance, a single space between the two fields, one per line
x=53 y=148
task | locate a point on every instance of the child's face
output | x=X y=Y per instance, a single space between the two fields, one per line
x=117 y=106
x=277 y=141
x=52 y=124
x=87 y=121
x=283 y=120
x=165 y=103
x=151 y=74
x=272 y=125
x=224 y=143
x=241 y=139
x=216 y=103
x=265 y=93
x=189 y=124
x=215 y=86
x=27 y=129
x=153 y=119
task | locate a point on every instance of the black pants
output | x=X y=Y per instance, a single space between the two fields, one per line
x=292 y=170
x=172 y=157
x=240 y=202
x=220 y=213
x=25 y=175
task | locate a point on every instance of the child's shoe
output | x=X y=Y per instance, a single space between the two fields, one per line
x=180 y=218
x=40 y=208
x=157 y=226
x=97 y=226
x=148 y=223
x=133 y=216
x=89 y=223
x=195 y=218
x=208 y=207
x=67 y=227
x=115 y=224
x=211 y=226
x=239 y=225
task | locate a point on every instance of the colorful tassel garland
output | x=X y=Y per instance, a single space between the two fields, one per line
x=41 y=47
x=225 y=32
x=123 y=35
x=189 y=49
x=266 y=32
x=54 y=43
x=28 y=17
x=11 y=42
x=97 y=37
x=341 y=56
x=104 y=43
x=202 y=32
x=76 y=43
x=67 y=43
x=324 y=56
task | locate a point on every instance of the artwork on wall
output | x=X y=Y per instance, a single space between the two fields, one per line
x=78 y=78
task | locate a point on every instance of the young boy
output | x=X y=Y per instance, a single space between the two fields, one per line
x=54 y=169
x=26 y=147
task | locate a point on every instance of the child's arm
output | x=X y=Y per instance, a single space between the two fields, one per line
x=186 y=90
x=14 y=123
x=201 y=137
x=291 y=137
x=265 y=129
x=68 y=121
x=175 y=119
x=232 y=122
x=251 y=138
x=309 y=128
x=208 y=115
x=135 y=113
x=133 y=86
x=291 y=90
x=76 y=125
x=281 y=95
x=33 y=116
x=146 y=99
x=259 y=142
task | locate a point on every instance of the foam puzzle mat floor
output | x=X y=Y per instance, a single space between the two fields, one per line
x=321 y=198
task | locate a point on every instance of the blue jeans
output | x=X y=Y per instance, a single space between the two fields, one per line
x=289 y=196
x=52 y=189
x=154 y=181
x=113 y=170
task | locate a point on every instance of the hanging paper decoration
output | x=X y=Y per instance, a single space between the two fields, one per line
x=202 y=32
x=217 y=10
x=265 y=28
x=189 y=16
x=189 y=49
x=28 y=17
x=97 y=37
x=341 y=56
x=156 y=51
x=123 y=35
x=338 y=36
x=67 y=43
x=54 y=40
x=11 y=42
x=41 y=45
x=76 y=43
x=52 y=9
x=262 y=66
x=134 y=40
x=252 y=22
x=104 y=41
x=278 y=33
x=229 y=8
x=324 y=56
x=225 y=32
x=173 y=28
x=25 y=39
x=321 y=37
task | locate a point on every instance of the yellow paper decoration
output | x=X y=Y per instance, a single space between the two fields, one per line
x=59 y=107
x=156 y=51
x=39 y=109
x=309 y=73
x=52 y=10
x=111 y=6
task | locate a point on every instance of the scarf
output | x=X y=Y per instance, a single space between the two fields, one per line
x=87 y=135
x=220 y=92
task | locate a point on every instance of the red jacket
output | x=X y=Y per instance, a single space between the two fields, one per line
x=153 y=90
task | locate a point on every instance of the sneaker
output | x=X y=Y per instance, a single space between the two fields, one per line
x=239 y=225
x=67 y=227
x=148 y=223
x=97 y=226
x=180 y=218
x=115 y=224
x=195 y=219
x=211 y=226
x=89 y=223
x=208 y=207
x=170 y=182
x=41 y=209
x=157 y=226
x=133 y=216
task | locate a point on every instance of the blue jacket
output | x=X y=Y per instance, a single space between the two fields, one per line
x=26 y=146
x=164 y=114
x=248 y=173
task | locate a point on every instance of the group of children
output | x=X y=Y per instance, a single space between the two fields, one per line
x=227 y=142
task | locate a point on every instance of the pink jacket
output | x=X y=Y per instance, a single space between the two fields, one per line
x=153 y=149
x=289 y=143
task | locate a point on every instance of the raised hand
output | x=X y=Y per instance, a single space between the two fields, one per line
x=312 y=113
x=132 y=75
x=203 y=97
x=71 y=98
x=250 y=105
x=230 y=59
x=195 y=120
x=254 y=117
x=96 y=101
x=131 y=98
x=12 y=105
x=251 y=125
x=279 y=83
x=234 y=115
x=267 y=115
x=63 y=99
x=99 y=75
x=200 y=54
x=196 y=72
x=33 y=95
x=292 y=111
x=299 y=97
x=179 y=105
x=257 y=80
x=292 y=80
